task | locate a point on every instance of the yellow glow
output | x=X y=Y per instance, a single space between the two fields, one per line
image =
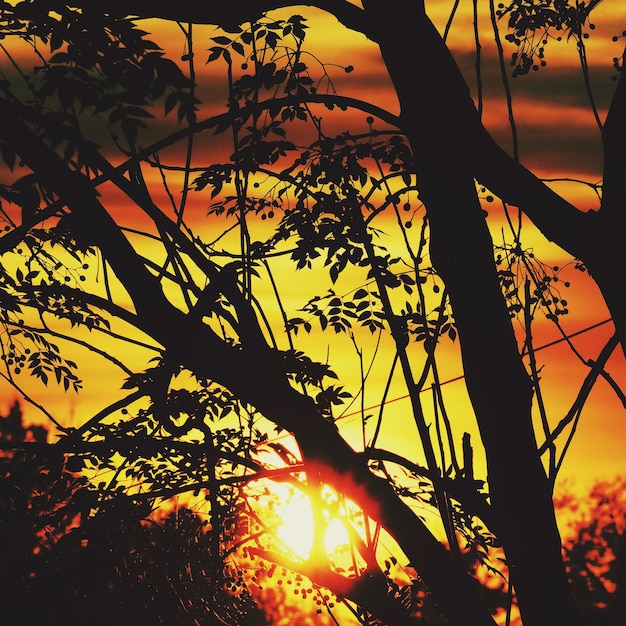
x=336 y=535
x=296 y=526
x=331 y=42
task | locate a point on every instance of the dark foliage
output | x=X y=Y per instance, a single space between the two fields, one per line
x=66 y=560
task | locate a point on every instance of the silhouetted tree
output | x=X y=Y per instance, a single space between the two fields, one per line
x=63 y=565
x=595 y=551
x=194 y=307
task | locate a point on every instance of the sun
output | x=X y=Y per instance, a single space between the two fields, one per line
x=296 y=528
x=351 y=542
x=287 y=509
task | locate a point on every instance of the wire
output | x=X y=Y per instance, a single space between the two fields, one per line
x=462 y=376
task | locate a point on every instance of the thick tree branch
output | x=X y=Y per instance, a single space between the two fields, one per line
x=558 y=220
x=234 y=13
x=596 y=238
x=225 y=14
x=254 y=376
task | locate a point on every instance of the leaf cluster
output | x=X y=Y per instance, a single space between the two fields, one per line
x=339 y=313
x=534 y=22
x=99 y=63
x=333 y=202
x=595 y=549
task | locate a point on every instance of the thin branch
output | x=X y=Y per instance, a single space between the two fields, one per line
x=116 y=406
x=80 y=342
x=477 y=64
x=505 y=78
x=584 y=392
x=534 y=374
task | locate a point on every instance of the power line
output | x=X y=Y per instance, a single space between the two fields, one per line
x=462 y=376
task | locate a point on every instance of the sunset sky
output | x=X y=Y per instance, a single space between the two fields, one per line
x=559 y=139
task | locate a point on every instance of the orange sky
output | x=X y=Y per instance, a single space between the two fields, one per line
x=557 y=138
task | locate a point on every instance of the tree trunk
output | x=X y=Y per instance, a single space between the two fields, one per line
x=435 y=117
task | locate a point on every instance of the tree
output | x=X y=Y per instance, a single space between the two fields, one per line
x=594 y=551
x=194 y=305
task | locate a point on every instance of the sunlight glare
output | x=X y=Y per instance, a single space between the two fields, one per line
x=336 y=536
x=296 y=526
